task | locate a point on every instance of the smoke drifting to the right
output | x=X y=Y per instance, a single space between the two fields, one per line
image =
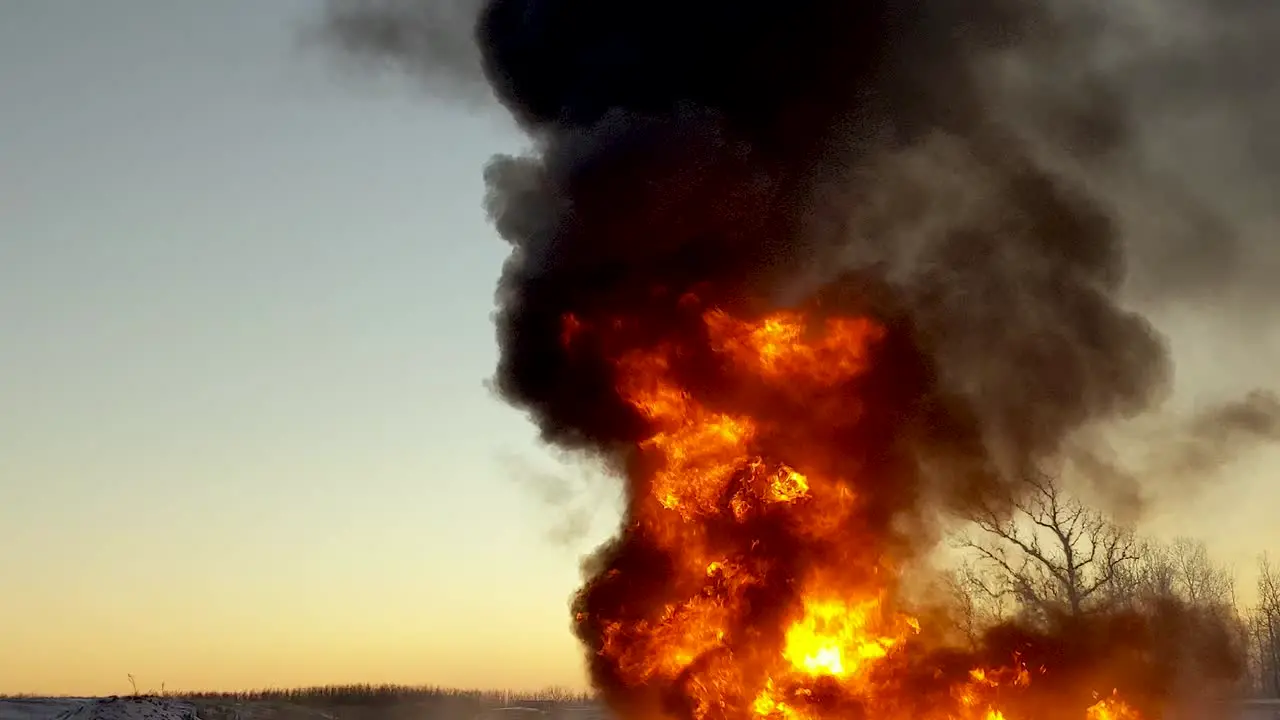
x=817 y=280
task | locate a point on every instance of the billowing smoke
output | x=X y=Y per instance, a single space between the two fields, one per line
x=943 y=160
x=958 y=171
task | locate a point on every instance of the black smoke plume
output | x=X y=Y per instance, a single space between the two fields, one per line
x=765 y=152
x=941 y=165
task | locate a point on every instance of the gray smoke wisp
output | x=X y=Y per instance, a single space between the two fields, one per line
x=429 y=40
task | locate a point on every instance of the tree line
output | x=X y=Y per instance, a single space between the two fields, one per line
x=1055 y=556
x=390 y=694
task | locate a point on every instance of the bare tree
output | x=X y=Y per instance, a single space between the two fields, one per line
x=972 y=612
x=1190 y=601
x=1053 y=558
x=1051 y=554
x=1198 y=580
x=1180 y=570
x=1264 y=631
x=1152 y=574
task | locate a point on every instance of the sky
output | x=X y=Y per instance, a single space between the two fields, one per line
x=245 y=437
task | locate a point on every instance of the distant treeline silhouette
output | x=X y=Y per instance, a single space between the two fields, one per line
x=370 y=694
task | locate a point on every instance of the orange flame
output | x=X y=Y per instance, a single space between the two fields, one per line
x=1111 y=708
x=709 y=469
x=832 y=638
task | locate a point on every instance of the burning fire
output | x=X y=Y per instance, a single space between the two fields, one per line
x=778 y=601
x=1111 y=708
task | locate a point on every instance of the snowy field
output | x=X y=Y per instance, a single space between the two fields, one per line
x=145 y=708
x=97 y=709
x=169 y=708
x=38 y=708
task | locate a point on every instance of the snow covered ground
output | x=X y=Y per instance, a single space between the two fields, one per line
x=126 y=708
x=168 y=708
x=37 y=708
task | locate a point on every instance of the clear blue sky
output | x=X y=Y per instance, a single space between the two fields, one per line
x=244 y=330
x=244 y=327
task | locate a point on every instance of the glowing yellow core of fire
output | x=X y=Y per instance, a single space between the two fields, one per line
x=699 y=457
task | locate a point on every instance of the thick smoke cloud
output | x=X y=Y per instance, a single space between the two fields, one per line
x=978 y=176
x=1195 y=75
x=966 y=166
